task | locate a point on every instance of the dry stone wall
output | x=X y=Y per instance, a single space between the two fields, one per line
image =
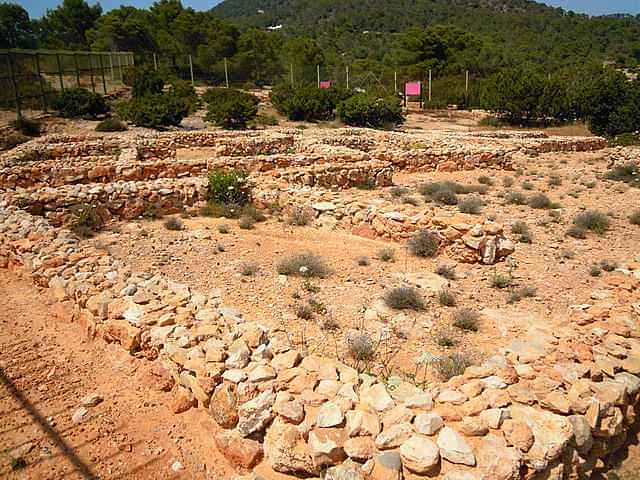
x=553 y=404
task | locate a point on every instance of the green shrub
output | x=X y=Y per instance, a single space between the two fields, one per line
x=485 y=180
x=219 y=210
x=79 y=102
x=301 y=216
x=628 y=173
x=397 y=191
x=451 y=365
x=634 y=218
x=229 y=187
x=520 y=293
x=527 y=185
x=27 y=126
x=507 y=182
x=515 y=198
x=232 y=109
x=592 y=220
x=576 y=231
x=143 y=81
x=305 y=264
x=539 y=201
x=363 y=261
x=521 y=229
x=361 y=347
x=154 y=111
x=595 y=270
x=223 y=228
x=387 y=254
x=184 y=90
x=246 y=222
x=306 y=102
x=86 y=220
x=111 y=124
x=424 y=244
x=466 y=319
x=404 y=298
x=446 y=298
x=499 y=280
x=366 y=110
x=471 y=205
x=248 y=269
x=266 y=120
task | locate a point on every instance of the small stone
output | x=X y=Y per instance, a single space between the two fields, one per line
x=377 y=397
x=80 y=415
x=428 y=423
x=91 y=400
x=329 y=415
x=394 y=436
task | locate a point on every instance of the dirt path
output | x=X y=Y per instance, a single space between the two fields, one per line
x=46 y=368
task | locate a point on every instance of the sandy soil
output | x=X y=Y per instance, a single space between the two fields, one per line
x=46 y=368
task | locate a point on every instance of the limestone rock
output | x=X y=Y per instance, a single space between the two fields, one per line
x=419 y=454
x=455 y=448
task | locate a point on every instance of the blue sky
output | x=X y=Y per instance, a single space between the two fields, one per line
x=36 y=8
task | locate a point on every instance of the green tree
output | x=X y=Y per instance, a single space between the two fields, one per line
x=125 y=29
x=16 y=30
x=67 y=25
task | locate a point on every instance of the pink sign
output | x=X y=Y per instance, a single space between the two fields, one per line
x=412 y=88
x=325 y=84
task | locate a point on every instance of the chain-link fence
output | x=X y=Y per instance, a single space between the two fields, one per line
x=30 y=79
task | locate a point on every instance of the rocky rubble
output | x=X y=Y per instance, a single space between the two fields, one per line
x=553 y=404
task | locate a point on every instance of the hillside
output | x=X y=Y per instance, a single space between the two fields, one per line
x=366 y=28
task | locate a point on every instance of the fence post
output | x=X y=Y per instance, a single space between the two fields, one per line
x=191 y=69
x=318 y=71
x=119 y=57
x=226 y=73
x=155 y=63
x=60 y=71
x=75 y=62
x=395 y=82
x=429 y=85
x=347 y=77
x=16 y=91
x=291 y=65
x=93 y=83
x=102 y=67
x=42 y=89
x=111 y=64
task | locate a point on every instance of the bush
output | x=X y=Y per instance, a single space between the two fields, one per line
x=446 y=298
x=608 y=265
x=361 y=347
x=86 y=220
x=527 y=185
x=499 y=280
x=219 y=210
x=248 y=269
x=304 y=311
x=111 y=124
x=592 y=220
x=595 y=270
x=404 y=298
x=223 y=228
x=306 y=102
x=540 y=200
x=300 y=216
x=452 y=365
x=79 y=102
x=143 y=81
x=304 y=264
x=445 y=339
x=466 y=319
x=634 y=218
x=12 y=140
x=485 y=180
x=507 y=182
x=184 y=90
x=424 y=244
x=173 y=223
x=366 y=110
x=387 y=254
x=577 y=231
x=27 y=126
x=471 y=205
x=397 y=192
x=515 y=198
x=252 y=212
x=555 y=181
x=628 y=173
x=521 y=229
x=154 y=111
x=229 y=187
x=232 y=109
x=520 y=293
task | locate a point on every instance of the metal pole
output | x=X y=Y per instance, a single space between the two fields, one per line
x=60 y=71
x=347 y=77
x=104 y=82
x=429 y=85
x=395 y=82
x=75 y=61
x=291 y=73
x=226 y=73
x=93 y=83
x=16 y=91
x=191 y=69
x=111 y=64
x=119 y=57
x=155 y=62
x=42 y=89
x=318 y=70
x=466 y=83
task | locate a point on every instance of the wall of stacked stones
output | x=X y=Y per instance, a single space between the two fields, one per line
x=554 y=404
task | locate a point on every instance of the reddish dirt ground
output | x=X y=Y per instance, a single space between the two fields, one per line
x=47 y=368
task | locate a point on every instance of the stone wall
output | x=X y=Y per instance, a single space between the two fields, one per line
x=553 y=404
